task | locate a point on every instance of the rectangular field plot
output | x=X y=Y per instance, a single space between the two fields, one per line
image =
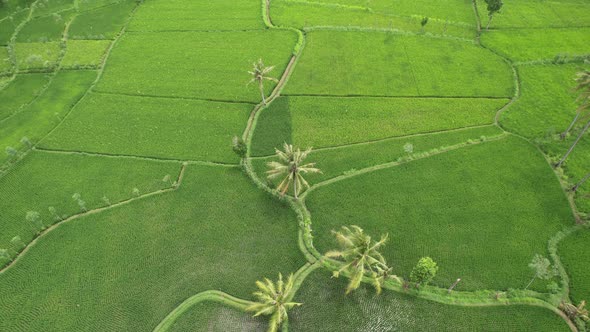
x=9 y=24
x=37 y=55
x=538 y=44
x=538 y=14
x=85 y=53
x=46 y=180
x=23 y=89
x=326 y=308
x=334 y=121
x=40 y=117
x=340 y=63
x=482 y=212
x=315 y=14
x=101 y=23
x=195 y=64
x=170 y=15
x=156 y=127
x=44 y=29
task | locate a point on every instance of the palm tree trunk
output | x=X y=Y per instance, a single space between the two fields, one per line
x=530 y=282
x=295 y=186
x=562 y=136
x=261 y=87
x=574 y=188
x=573 y=145
x=489 y=21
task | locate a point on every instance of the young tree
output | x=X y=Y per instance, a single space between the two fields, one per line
x=34 y=218
x=259 y=75
x=574 y=312
x=274 y=300
x=290 y=165
x=239 y=146
x=542 y=268
x=81 y=203
x=494 y=7
x=423 y=23
x=583 y=87
x=361 y=257
x=424 y=271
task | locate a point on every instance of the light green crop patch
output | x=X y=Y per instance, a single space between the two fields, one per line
x=539 y=44
x=537 y=14
x=328 y=121
x=387 y=64
x=23 y=89
x=85 y=53
x=198 y=15
x=37 y=55
x=204 y=65
x=155 y=127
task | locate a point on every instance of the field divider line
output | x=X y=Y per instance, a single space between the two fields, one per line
x=397 y=163
x=131 y=31
x=54 y=226
x=124 y=156
x=173 y=97
x=392 y=97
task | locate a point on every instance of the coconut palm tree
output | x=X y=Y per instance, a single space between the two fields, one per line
x=290 y=165
x=361 y=257
x=583 y=86
x=259 y=74
x=574 y=312
x=274 y=300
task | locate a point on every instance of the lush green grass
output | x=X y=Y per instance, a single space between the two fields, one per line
x=546 y=108
x=101 y=23
x=326 y=308
x=126 y=269
x=5 y=64
x=8 y=26
x=538 y=14
x=481 y=212
x=574 y=254
x=215 y=317
x=85 y=5
x=210 y=69
x=174 y=15
x=157 y=127
x=85 y=53
x=36 y=120
x=537 y=44
x=313 y=14
x=342 y=160
x=46 y=28
x=20 y=92
x=44 y=180
x=37 y=55
x=49 y=7
x=12 y=6
x=339 y=63
x=334 y=121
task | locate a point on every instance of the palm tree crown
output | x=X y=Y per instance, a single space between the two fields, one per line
x=259 y=74
x=361 y=256
x=573 y=311
x=274 y=300
x=290 y=165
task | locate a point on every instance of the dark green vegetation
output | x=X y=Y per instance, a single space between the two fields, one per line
x=575 y=256
x=172 y=236
x=328 y=309
x=509 y=211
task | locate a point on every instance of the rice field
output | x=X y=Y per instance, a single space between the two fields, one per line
x=136 y=141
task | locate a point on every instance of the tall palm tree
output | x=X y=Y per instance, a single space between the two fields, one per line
x=583 y=86
x=274 y=300
x=290 y=165
x=259 y=74
x=574 y=312
x=361 y=257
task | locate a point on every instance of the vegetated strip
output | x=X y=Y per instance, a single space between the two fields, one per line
x=148 y=158
x=395 y=163
x=191 y=30
x=392 y=97
x=91 y=212
x=174 y=97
